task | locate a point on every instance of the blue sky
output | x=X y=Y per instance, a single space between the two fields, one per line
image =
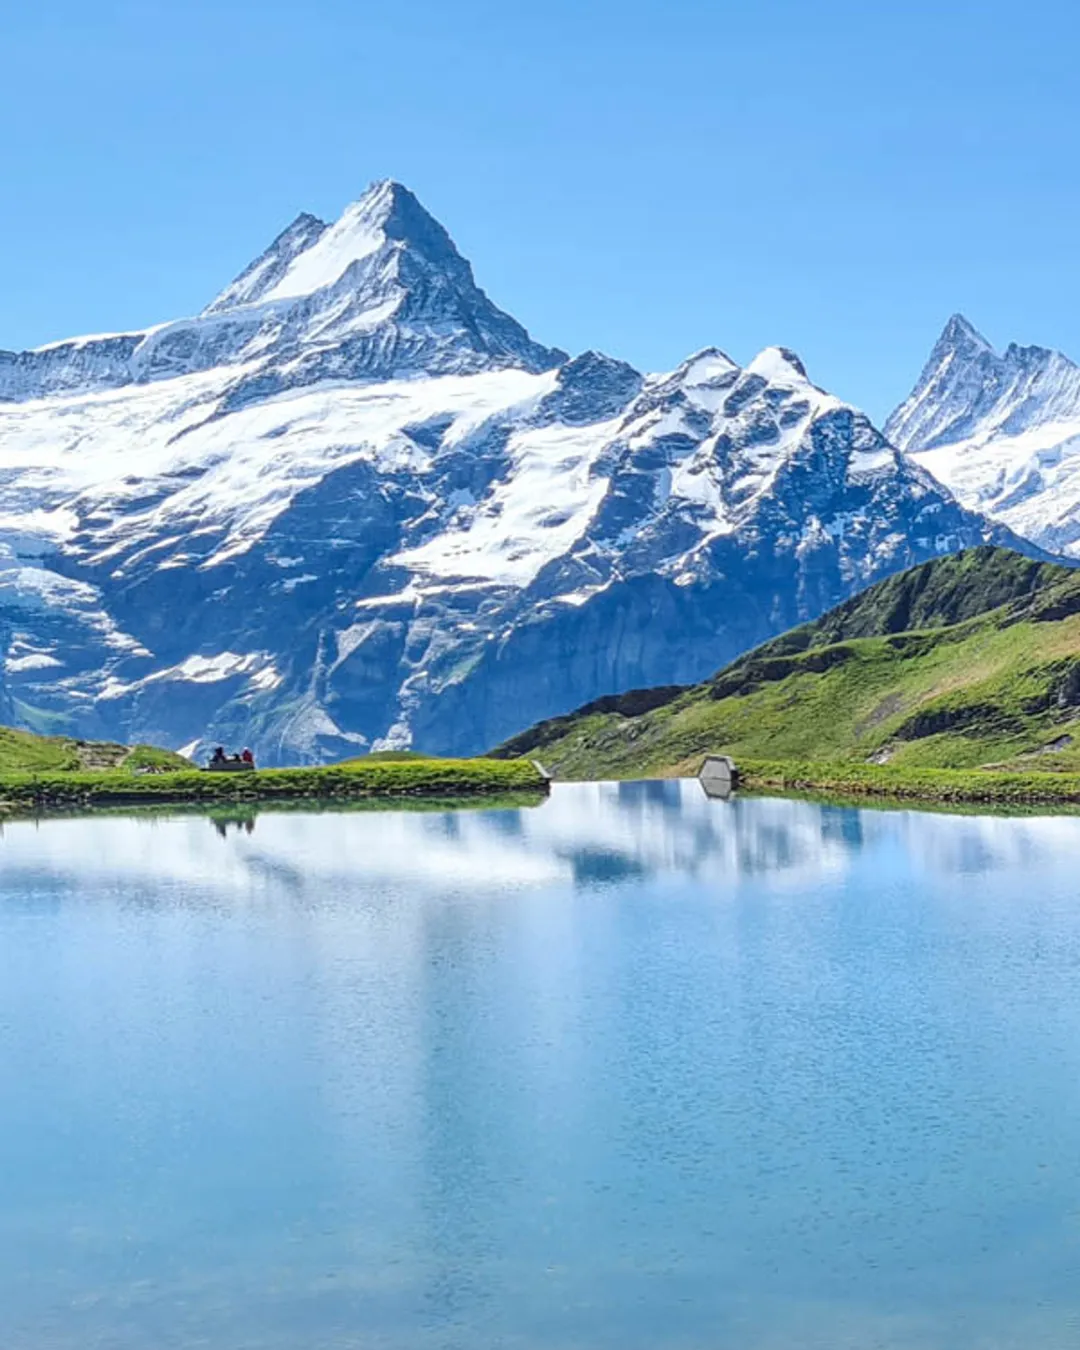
x=645 y=178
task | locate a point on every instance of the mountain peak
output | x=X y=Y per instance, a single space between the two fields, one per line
x=310 y=254
x=260 y=277
x=778 y=365
x=710 y=363
x=390 y=210
x=391 y=207
x=959 y=334
x=957 y=383
x=380 y=291
x=1000 y=430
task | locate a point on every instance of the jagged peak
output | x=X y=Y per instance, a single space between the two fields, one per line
x=401 y=215
x=390 y=211
x=591 y=387
x=311 y=254
x=358 y=232
x=304 y=221
x=591 y=362
x=1033 y=356
x=960 y=334
x=260 y=276
x=961 y=337
x=961 y=343
x=778 y=365
x=969 y=394
x=710 y=363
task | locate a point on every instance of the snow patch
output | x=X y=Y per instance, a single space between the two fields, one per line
x=203 y=670
x=531 y=517
x=356 y=235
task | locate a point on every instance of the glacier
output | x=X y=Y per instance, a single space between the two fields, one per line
x=353 y=505
x=1001 y=431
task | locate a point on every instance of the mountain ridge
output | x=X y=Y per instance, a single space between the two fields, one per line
x=1001 y=431
x=377 y=514
x=373 y=303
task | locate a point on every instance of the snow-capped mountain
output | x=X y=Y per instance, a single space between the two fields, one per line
x=1001 y=431
x=382 y=292
x=353 y=504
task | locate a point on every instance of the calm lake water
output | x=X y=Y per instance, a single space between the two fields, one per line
x=630 y=1069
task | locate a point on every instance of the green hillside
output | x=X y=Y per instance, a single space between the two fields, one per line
x=25 y=752
x=963 y=662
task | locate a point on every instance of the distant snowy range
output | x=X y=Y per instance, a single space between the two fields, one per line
x=352 y=505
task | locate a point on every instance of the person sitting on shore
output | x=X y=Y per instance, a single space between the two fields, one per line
x=248 y=757
x=218 y=756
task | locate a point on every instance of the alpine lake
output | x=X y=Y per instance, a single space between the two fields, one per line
x=631 y=1068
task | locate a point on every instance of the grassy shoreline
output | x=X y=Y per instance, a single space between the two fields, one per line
x=973 y=786
x=415 y=781
x=356 y=780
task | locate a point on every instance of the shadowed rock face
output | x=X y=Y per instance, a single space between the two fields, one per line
x=354 y=504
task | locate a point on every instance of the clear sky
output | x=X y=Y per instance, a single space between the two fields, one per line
x=639 y=176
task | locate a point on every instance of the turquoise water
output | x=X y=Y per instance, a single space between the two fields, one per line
x=630 y=1069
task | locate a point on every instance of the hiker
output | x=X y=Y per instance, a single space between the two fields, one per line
x=218 y=756
x=248 y=757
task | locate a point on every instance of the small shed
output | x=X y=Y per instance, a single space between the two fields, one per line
x=719 y=776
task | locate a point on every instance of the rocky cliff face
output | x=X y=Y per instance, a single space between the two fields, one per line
x=1001 y=430
x=353 y=504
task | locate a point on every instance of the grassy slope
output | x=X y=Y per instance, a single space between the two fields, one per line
x=59 y=789
x=25 y=752
x=961 y=663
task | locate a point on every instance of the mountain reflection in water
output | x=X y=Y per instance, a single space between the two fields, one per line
x=584 y=835
x=630 y=1070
